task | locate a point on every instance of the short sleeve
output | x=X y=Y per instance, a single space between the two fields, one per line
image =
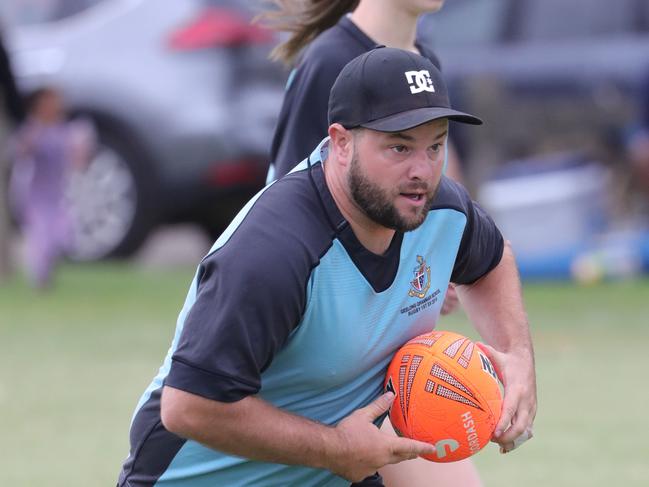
x=482 y=244
x=250 y=296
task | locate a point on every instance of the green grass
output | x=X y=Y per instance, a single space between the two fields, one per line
x=592 y=363
x=72 y=366
x=74 y=362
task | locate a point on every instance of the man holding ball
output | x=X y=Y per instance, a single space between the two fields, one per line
x=275 y=373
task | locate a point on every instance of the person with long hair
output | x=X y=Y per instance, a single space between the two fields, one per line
x=324 y=35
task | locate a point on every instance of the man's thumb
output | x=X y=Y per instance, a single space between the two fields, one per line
x=378 y=406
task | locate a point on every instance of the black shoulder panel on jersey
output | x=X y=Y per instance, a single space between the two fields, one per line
x=482 y=243
x=252 y=293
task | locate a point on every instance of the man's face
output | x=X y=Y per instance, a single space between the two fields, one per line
x=393 y=177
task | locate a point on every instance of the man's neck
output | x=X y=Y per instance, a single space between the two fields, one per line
x=372 y=236
x=394 y=27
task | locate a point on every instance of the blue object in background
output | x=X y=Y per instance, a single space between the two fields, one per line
x=554 y=211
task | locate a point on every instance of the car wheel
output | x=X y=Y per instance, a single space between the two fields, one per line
x=109 y=202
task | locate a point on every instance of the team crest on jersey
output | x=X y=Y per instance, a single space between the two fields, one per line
x=420 y=285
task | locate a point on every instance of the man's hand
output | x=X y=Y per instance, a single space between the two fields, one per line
x=494 y=304
x=364 y=448
x=253 y=428
x=516 y=372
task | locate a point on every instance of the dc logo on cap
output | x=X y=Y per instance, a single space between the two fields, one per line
x=419 y=81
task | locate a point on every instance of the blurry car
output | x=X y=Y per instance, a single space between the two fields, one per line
x=547 y=76
x=182 y=95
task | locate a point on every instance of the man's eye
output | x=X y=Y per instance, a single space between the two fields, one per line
x=399 y=149
x=436 y=147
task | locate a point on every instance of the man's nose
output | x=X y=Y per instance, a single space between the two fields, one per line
x=422 y=166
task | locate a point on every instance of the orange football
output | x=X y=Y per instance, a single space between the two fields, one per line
x=447 y=394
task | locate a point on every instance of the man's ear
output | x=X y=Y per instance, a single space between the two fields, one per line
x=342 y=143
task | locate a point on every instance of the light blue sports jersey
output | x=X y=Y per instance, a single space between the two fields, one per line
x=289 y=305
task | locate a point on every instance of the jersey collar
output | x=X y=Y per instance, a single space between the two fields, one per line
x=316 y=172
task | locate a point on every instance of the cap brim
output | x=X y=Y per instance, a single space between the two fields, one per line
x=413 y=118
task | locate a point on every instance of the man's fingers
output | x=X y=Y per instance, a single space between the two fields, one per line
x=515 y=371
x=522 y=438
x=513 y=422
x=528 y=434
x=506 y=416
x=407 y=449
x=377 y=407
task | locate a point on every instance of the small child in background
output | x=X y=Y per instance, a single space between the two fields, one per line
x=47 y=148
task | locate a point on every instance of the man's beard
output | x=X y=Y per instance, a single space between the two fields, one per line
x=377 y=204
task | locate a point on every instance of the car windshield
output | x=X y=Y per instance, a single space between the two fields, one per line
x=30 y=12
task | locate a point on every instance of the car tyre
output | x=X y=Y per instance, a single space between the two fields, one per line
x=111 y=200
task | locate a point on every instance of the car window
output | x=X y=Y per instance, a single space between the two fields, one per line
x=464 y=22
x=29 y=12
x=576 y=19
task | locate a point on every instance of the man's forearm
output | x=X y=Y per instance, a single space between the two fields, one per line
x=495 y=307
x=253 y=428
x=250 y=428
x=494 y=304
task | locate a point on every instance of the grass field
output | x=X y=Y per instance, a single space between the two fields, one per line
x=74 y=362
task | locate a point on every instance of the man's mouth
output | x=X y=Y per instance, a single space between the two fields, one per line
x=413 y=196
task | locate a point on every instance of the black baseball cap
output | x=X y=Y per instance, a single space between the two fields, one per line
x=391 y=90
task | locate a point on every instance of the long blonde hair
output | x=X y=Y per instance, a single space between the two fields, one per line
x=305 y=20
